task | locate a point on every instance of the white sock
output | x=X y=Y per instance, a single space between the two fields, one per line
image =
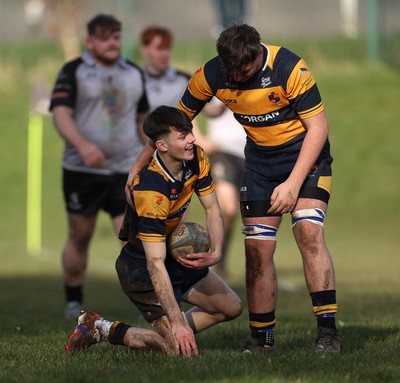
x=103 y=326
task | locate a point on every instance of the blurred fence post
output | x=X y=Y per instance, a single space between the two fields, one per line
x=39 y=107
x=34 y=184
x=372 y=28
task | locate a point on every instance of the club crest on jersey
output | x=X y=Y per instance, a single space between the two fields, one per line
x=265 y=81
x=274 y=98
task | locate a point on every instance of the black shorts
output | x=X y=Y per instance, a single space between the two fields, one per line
x=227 y=167
x=136 y=283
x=265 y=170
x=87 y=193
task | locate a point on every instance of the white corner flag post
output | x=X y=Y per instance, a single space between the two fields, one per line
x=34 y=184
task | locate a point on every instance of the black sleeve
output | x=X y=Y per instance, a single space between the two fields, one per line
x=65 y=89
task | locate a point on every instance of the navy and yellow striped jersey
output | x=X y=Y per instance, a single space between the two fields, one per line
x=270 y=105
x=160 y=200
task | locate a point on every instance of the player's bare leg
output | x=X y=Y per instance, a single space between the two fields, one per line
x=319 y=274
x=261 y=286
x=75 y=259
x=214 y=302
x=92 y=328
x=145 y=340
x=75 y=253
x=261 y=279
x=318 y=265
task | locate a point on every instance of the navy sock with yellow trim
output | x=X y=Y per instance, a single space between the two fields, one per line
x=325 y=308
x=262 y=327
x=117 y=333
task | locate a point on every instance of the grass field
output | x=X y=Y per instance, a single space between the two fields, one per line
x=362 y=230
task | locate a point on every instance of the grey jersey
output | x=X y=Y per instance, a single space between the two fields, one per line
x=105 y=101
x=166 y=89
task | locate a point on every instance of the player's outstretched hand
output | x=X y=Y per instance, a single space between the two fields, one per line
x=184 y=340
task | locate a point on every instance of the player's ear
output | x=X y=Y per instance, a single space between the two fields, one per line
x=161 y=146
x=89 y=42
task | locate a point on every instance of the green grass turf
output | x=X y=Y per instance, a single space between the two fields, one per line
x=362 y=225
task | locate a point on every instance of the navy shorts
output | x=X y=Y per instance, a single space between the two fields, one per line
x=265 y=170
x=87 y=193
x=227 y=167
x=136 y=283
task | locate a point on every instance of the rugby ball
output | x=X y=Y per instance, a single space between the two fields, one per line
x=187 y=238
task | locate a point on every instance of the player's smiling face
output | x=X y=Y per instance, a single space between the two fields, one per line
x=179 y=145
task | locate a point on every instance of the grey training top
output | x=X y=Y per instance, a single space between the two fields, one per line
x=166 y=89
x=105 y=101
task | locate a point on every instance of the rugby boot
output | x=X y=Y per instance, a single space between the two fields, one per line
x=85 y=333
x=328 y=342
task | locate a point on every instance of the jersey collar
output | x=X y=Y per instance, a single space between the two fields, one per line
x=164 y=169
x=266 y=55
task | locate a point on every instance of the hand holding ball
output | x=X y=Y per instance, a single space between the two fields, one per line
x=187 y=238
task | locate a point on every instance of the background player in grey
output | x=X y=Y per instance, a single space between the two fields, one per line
x=98 y=104
x=165 y=85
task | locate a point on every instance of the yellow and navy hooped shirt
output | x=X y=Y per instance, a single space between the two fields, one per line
x=270 y=105
x=160 y=200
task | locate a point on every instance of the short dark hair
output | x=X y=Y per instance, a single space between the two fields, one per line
x=161 y=120
x=106 y=23
x=149 y=33
x=238 y=46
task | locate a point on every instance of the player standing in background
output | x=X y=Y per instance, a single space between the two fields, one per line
x=98 y=104
x=224 y=142
x=273 y=94
x=165 y=85
x=153 y=280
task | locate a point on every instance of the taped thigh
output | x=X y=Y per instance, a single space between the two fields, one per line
x=259 y=231
x=311 y=215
